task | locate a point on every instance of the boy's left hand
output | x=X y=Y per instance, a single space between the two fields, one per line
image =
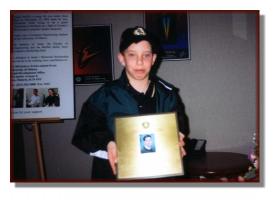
x=182 y=144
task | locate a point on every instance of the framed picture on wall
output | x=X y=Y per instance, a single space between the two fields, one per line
x=92 y=54
x=172 y=30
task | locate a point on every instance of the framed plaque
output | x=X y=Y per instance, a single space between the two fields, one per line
x=148 y=146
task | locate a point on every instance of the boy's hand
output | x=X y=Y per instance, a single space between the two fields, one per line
x=112 y=155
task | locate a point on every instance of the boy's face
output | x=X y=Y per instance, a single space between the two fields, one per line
x=138 y=60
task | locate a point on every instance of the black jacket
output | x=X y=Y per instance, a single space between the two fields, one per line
x=95 y=127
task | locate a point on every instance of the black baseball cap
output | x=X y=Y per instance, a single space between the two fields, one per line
x=135 y=35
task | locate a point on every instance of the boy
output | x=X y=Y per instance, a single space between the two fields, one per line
x=135 y=92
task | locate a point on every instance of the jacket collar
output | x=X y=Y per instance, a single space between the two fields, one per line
x=124 y=82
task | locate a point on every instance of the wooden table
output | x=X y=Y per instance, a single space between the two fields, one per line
x=218 y=164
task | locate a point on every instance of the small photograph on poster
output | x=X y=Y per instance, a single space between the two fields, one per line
x=172 y=30
x=34 y=98
x=42 y=97
x=52 y=99
x=92 y=54
x=147 y=143
x=18 y=98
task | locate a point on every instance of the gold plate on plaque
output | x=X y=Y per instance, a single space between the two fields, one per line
x=148 y=146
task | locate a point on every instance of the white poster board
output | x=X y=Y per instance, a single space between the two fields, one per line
x=42 y=65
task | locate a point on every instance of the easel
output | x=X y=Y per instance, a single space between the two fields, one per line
x=37 y=137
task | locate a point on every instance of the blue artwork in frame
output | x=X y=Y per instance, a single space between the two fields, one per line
x=172 y=30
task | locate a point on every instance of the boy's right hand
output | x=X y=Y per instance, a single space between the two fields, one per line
x=112 y=155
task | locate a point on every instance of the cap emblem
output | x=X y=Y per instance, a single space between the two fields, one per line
x=139 y=32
